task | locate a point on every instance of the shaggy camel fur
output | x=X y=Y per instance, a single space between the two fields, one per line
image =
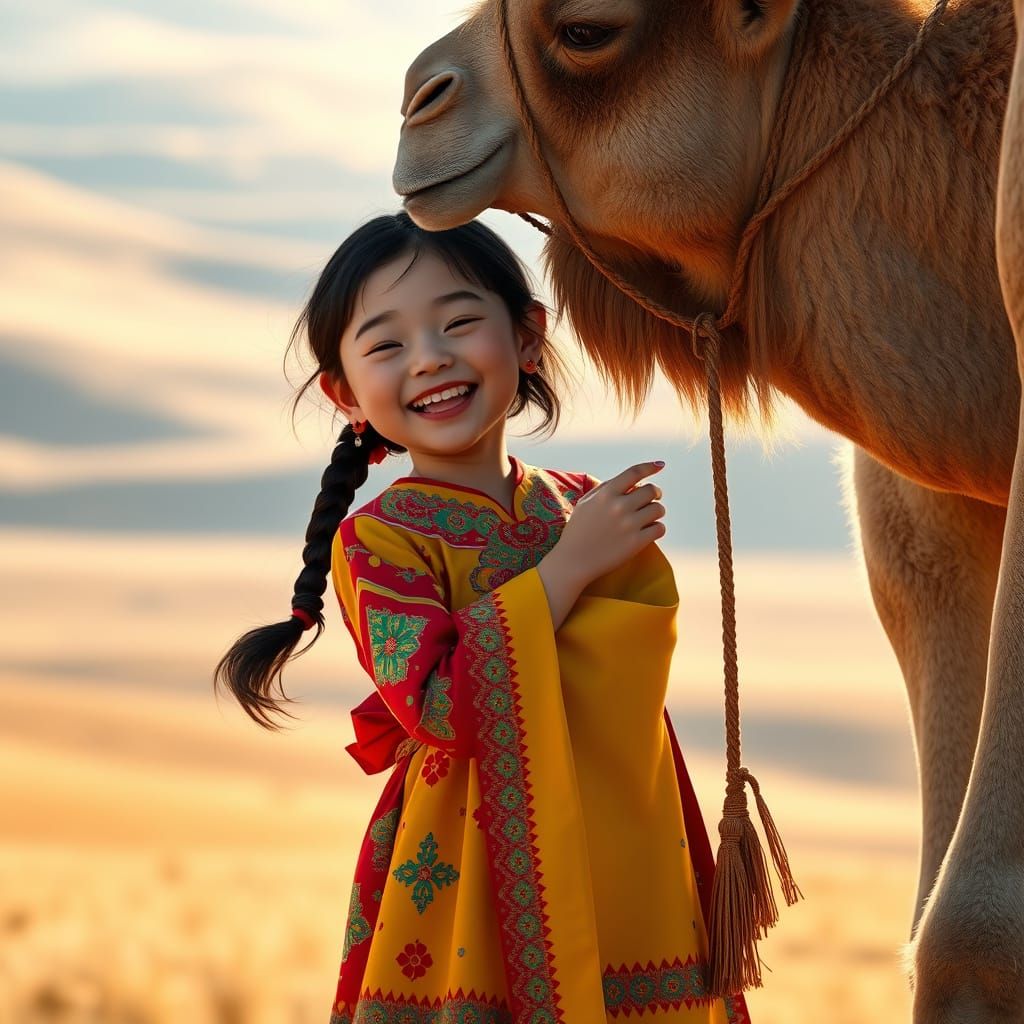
x=873 y=300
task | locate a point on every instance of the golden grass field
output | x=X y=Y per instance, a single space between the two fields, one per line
x=164 y=861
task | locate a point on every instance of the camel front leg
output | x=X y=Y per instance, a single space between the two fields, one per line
x=932 y=561
x=970 y=945
x=969 y=955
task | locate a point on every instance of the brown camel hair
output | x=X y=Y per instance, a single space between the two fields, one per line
x=742 y=903
x=958 y=87
x=872 y=300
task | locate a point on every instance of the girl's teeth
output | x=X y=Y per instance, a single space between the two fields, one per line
x=443 y=397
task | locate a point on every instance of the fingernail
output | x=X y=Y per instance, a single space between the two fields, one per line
x=659 y=462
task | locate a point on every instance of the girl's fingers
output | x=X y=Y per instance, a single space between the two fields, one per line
x=649 y=513
x=642 y=495
x=629 y=478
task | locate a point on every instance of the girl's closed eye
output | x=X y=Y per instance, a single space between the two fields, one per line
x=461 y=322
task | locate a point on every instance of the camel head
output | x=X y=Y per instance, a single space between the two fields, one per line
x=653 y=115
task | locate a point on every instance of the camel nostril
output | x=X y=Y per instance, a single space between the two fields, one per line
x=432 y=97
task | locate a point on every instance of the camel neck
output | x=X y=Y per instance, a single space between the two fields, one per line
x=865 y=284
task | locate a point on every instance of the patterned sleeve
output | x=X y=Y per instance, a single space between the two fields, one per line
x=425 y=660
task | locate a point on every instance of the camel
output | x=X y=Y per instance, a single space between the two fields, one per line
x=873 y=299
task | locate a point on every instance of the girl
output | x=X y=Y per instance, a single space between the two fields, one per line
x=537 y=854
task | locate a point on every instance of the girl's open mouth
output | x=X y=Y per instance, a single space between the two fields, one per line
x=449 y=407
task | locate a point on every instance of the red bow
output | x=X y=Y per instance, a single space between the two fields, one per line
x=379 y=454
x=378 y=734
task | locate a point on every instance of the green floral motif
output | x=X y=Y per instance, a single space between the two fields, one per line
x=453 y=520
x=513 y=547
x=507 y=815
x=425 y=873
x=394 y=639
x=510 y=545
x=663 y=987
x=382 y=832
x=408 y=573
x=398 y=1010
x=544 y=500
x=437 y=707
x=358 y=929
x=352 y=549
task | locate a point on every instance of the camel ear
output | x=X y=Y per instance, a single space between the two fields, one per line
x=748 y=29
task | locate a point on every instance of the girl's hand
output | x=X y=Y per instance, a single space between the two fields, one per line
x=608 y=525
x=613 y=521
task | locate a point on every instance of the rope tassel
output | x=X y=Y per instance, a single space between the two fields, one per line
x=790 y=890
x=743 y=905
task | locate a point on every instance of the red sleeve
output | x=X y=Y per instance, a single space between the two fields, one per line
x=410 y=644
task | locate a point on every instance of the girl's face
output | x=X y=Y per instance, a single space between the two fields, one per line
x=422 y=332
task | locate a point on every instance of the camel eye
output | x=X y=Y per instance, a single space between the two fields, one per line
x=582 y=36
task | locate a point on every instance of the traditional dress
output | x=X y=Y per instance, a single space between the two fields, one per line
x=537 y=855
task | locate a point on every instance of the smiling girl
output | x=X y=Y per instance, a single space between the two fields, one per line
x=537 y=854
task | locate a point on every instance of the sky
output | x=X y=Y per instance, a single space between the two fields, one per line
x=172 y=178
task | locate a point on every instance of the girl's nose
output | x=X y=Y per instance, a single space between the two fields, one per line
x=431 y=356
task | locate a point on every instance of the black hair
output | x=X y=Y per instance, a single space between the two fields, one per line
x=256 y=660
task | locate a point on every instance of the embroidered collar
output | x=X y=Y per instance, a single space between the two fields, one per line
x=523 y=475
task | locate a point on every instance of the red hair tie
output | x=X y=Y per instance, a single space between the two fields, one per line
x=379 y=454
x=307 y=620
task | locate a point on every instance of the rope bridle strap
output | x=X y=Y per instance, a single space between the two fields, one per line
x=742 y=904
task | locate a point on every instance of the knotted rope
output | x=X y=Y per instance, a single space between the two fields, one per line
x=742 y=903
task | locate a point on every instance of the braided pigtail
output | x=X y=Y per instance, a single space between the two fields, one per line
x=257 y=658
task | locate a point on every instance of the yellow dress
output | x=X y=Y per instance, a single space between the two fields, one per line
x=537 y=855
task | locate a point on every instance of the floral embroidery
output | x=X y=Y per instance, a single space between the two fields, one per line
x=435 y=767
x=358 y=929
x=352 y=549
x=394 y=639
x=508 y=547
x=425 y=873
x=460 y=523
x=437 y=706
x=668 y=986
x=414 y=960
x=408 y=746
x=506 y=816
x=511 y=549
x=544 y=500
x=454 y=1008
x=408 y=573
x=382 y=832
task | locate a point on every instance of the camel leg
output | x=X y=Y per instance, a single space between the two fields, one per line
x=969 y=960
x=969 y=949
x=932 y=559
